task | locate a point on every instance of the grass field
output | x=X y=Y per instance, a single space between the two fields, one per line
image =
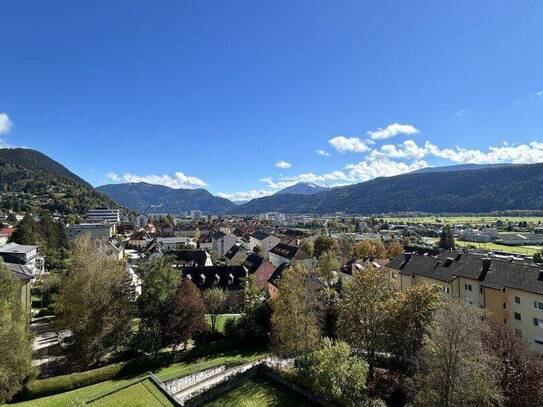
x=260 y=392
x=165 y=373
x=221 y=320
x=528 y=250
x=472 y=220
x=140 y=394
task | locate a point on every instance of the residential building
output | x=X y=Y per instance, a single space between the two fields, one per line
x=229 y=278
x=175 y=243
x=284 y=253
x=510 y=292
x=23 y=255
x=104 y=215
x=5 y=234
x=141 y=221
x=94 y=230
x=222 y=242
x=192 y=258
x=260 y=268
x=205 y=242
x=195 y=214
x=236 y=255
x=520 y=239
x=265 y=241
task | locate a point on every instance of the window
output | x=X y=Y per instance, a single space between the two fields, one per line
x=538 y=305
x=446 y=290
x=539 y=339
x=394 y=275
x=480 y=290
x=518 y=317
x=468 y=287
x=538 y=322
x=517 y=300
x=504 y=305
x=518 y=332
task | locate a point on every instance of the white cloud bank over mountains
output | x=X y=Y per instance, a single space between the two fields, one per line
x=179 y=180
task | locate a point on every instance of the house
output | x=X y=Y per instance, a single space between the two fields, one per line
x=354 y=265
x=229 y=278
x=23 y=255
x=263 y=240
x=273 y=281
x=260 y=268
x=510 y=292
x=236 y=255
x=5 y=234
x=284 y=253
x=205 y=242
x=520 y=239
x=192 y=258
x=24 y=277
x=175 y=243
x=141 y=221
x=94 y=230
x=222 y=242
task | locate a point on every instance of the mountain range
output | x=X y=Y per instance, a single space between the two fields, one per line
x=150 y=198
x=31 y=181
x=474 y=189
x=303 y=188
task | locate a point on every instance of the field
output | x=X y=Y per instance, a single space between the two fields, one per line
x=221 y=320
x=528 y=250
x=140 y=394
x=165 y=373
x=260 y=392
x=472 y=220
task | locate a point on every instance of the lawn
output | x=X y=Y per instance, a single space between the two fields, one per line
x=221 y=320
x=260 y=392
x=140 y=394
x=528 y=250
x=164 y=373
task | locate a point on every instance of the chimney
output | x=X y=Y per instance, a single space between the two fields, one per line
x=486 y=264
x=407 y=256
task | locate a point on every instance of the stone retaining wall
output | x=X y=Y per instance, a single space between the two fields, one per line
x=177 y=385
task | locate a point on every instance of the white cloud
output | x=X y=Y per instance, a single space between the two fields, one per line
x=539 y=94
x=323 y=153
x=382 y=167
x=245 y=195
x=518 y=154
x=392 y=130
x=283 y=164
x=179 y=180
x=5 y=123
x=460 y=113
x=344 y=144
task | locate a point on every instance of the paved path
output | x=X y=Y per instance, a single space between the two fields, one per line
x=48 y=352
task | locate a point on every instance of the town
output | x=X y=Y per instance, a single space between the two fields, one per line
x=240 y=266
x=271 y=203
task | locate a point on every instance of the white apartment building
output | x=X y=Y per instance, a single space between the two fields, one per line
x=104 y=215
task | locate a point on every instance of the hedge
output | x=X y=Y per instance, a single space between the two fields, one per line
x=132 y=368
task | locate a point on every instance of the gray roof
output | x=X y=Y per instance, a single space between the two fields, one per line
x=448 y=266
x=17 y=248
x=21 y=271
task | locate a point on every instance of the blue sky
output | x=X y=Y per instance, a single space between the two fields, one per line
x=240 y=96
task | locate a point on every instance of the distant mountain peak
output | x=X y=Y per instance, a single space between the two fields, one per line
x=303 y=188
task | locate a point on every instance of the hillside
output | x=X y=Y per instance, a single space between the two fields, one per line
x=303 y=188
x=29 y=181
x=161 y=199
x=475 y=190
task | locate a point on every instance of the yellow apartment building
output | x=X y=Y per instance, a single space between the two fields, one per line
x=511 y=292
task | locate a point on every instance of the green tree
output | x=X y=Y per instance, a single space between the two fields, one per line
x=334 y=373
x=363 y=313
x=15 y=338
x=214 y=299
x=308 y=247
x=186 y=316
x=394 y=248
x=159 y=285
x=446 y=238
x=328 y=264
x=26 y=232
x=345 y=245
x=410 y=312
x=297 y=313
x=323 y=244
x=538 y=257
x=520 y=371
x=96 y=301
x=369 y=249
x=455 y=369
